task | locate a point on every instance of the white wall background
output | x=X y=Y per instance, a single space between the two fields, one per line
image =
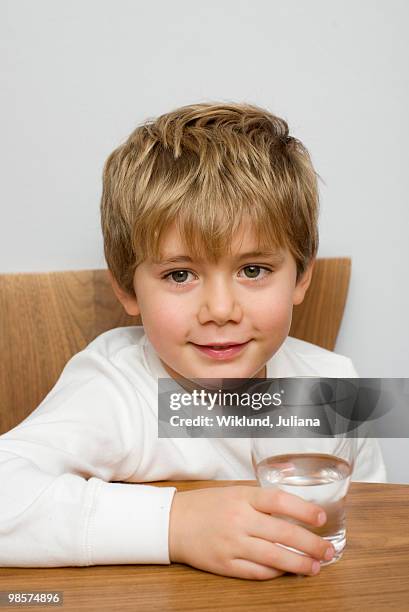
x=77 y=76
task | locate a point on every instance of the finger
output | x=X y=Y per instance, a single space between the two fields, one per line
x=276 y=501
x=276 y=556
x=278 y=530
x=242 y=568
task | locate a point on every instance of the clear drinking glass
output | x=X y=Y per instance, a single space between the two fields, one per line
x=318 y=470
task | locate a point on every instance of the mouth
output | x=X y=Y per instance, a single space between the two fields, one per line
x=221 y=351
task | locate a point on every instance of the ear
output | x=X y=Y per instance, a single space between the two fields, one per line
x=303 y=284
x=129 y=302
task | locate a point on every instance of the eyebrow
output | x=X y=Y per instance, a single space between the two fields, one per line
x=277 y=256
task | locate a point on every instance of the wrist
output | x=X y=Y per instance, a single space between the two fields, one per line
x=174 y=530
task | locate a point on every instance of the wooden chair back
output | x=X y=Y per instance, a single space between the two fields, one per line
x=45 y=318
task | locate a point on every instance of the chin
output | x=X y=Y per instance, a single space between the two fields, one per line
x=218 y=377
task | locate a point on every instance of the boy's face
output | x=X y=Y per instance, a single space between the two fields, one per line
x=247 y=301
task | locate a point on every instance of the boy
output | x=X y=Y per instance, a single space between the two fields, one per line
x=209 y=216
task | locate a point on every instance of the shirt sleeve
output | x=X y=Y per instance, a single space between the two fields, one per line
x=61 y=502
x=369 y=464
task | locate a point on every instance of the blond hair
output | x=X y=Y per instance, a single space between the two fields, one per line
x=208 y=167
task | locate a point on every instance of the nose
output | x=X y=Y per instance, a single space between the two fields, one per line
x=219 y=302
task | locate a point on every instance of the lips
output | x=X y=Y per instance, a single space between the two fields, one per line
x=228 y=351
x=221 y=344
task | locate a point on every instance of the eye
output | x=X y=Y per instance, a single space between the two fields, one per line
x=254 y=272
x=177 y=276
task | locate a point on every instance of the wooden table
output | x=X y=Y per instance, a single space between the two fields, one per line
x=372 y=575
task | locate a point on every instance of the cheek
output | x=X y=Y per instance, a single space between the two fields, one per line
x=274 y=314
x=164 y=319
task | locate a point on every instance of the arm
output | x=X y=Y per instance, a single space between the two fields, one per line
x=57 y=505
x=369 y=463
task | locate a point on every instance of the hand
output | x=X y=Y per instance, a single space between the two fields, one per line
x=230 y=531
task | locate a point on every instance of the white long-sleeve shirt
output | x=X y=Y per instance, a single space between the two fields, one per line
x=66 y=471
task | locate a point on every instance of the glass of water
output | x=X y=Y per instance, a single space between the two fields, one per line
x=318 y=470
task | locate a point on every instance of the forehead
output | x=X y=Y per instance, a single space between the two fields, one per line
x=244 y=241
